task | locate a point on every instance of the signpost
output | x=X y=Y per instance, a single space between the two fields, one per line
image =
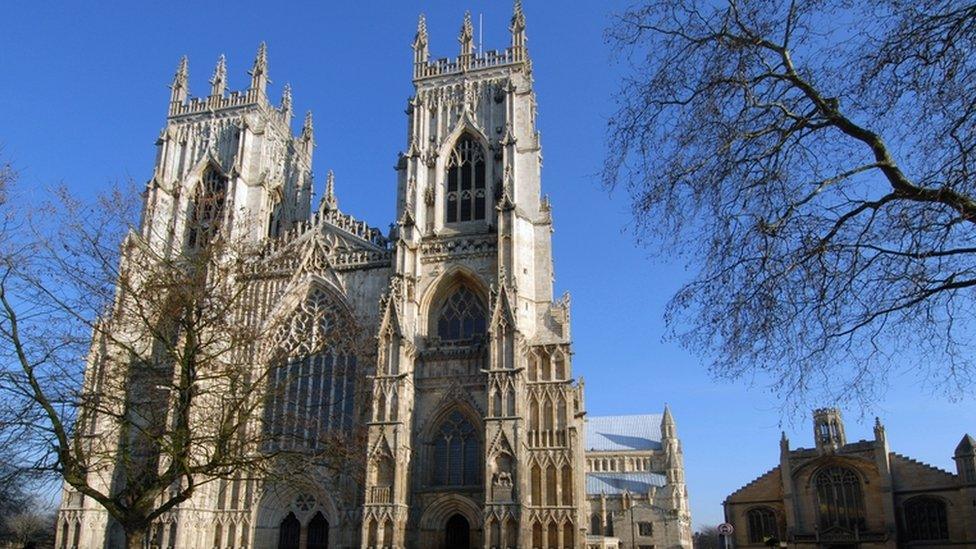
x=725 y=531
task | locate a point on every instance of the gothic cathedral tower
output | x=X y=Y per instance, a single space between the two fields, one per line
x=475 y=432
x=228 y=160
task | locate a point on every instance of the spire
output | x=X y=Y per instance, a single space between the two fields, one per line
x=308 y=130
x=466 y=38
x=517 y=29
x=180 y=89
x=421 y=53
x=784 y=444
x=965 y=458
x=218 y=83
x=667 y=423
x=259 y=72
x=286 y=101
x=879 y=430
x=966 y=447
x=329 y=201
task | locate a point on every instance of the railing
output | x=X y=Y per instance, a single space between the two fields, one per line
x=547 y=438
x=378 y=494
x=492 y=58
x=214 y=102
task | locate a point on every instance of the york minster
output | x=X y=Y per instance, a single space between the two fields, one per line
x=435 y=349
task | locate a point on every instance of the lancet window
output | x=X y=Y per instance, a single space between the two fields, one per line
x=274 y=219
x=462 y=316
x=840 y=499
x=206 y=209
x=312 y=389
x=465 y=198
x=457 y=453
x=596 y=525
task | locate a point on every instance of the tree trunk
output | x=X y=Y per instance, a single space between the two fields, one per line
x=135 y=539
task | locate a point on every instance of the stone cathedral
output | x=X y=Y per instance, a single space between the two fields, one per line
x=474 y=429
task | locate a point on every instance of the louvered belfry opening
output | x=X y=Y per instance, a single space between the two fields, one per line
x=465 y=198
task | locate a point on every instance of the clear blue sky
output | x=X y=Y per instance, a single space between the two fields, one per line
x=85 y=95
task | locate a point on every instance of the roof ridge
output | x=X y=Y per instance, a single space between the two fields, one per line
x=623 y=415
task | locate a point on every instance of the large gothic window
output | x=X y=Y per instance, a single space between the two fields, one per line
x=925 y=519
x=462 y=316
x=206 y=209
x=762 y=525
x=839 y=498
x=312 y=389
x=465 y=199
x=457 y=453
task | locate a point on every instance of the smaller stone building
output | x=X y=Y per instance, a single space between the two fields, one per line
x=842 y=495
x=635 y=483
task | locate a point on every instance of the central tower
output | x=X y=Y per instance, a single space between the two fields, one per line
x=475 y=431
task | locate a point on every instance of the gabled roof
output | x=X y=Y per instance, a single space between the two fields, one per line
x=618 y=483
x=616 y=433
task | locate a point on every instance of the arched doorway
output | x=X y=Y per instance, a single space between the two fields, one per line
x=318 y=532
x=457 y=533
x=289 y=533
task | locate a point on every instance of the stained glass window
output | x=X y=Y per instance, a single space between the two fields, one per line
x=457 y=453
x=206 y=208
x=312 y=390
x=925 y=519
x=762 y=525
x=839 y=498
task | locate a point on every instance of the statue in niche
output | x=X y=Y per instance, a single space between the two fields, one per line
x=502 y=479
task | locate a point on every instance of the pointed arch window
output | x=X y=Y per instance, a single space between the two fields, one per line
x=457 y=453
x=840 y=499
x=925 y=519
x=274 y=219
x=206 y=209
x=465 y=197
x=762 y=525
x=462 y=316
x=311 y=389
x=596 y=525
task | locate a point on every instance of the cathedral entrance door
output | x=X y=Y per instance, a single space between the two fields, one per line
x=457 y=534
x=289 y=532
x=318 y=532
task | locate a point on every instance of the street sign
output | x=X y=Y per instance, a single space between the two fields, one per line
x=725 y=529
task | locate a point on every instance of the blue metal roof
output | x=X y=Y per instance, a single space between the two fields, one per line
x=617 y=483
x=616 y=433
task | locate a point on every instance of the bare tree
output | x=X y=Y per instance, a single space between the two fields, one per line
x=31 y=529
x=133 y=368
x=814 y=162
x=706 y=537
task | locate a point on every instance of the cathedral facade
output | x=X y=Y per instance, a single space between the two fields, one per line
x=440 y=341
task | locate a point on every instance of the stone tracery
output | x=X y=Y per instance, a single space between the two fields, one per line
x=312 y=390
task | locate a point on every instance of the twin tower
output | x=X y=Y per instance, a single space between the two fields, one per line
x=439 y=341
